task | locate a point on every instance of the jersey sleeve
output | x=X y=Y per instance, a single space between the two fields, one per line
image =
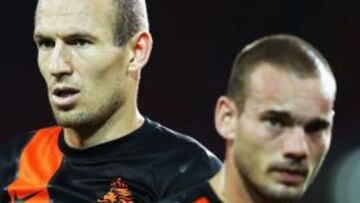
x=10 y=151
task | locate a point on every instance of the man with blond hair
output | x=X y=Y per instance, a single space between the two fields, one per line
x=276 y=118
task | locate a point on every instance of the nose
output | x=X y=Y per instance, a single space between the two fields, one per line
x=296 y=146
x=60 y=60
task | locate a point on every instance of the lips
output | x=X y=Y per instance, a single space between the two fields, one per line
x=290 y=175
x=65 y=97
x=64 y=92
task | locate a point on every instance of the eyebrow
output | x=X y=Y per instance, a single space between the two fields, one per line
x=314 y=124
x=276 y=113
x=284 y=116
x=80 y=35
x=86 y=35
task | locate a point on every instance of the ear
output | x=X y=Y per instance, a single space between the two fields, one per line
x=226 y=115
x=141 y=46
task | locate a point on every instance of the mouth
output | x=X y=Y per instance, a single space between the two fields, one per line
x=65 y=97
x=65 y=92
x=291 y=176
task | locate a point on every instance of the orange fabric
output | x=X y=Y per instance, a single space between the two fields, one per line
x=202 y=200
x=39 y=161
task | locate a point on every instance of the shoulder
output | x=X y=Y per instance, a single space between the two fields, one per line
x=167 y=136
x=19 y=151
x=201 y=193
x=182 y=144
x=13 y=147
x=181 y=161
x=15 y=144
x=10 y=152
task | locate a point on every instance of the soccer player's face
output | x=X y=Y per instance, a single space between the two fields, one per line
x=84 y=70
x=283 y=132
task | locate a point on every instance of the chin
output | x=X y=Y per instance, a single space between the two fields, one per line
x=70 y=119
x=80 y=120
x=284 y=193
x=68 y=123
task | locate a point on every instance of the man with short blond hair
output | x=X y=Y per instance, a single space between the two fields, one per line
x=276 y=118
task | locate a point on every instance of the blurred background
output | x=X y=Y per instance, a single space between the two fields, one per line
x=195 y=42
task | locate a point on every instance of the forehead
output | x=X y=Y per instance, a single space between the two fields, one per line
x=73 y=14
x=271 y=88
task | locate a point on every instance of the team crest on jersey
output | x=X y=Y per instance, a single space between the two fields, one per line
x=119 y=193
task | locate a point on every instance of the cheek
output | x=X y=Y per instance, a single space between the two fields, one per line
x=106 y=72
x=251 y=134
x=44 y=71
x=256 y=144
x=93 y=73
x=101 y=58
x=250 y=147
x=251 y=161
x=319 y=148
x=100 y=84
x=42 y=63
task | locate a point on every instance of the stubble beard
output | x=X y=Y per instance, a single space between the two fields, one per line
x=264 y=190
x=88 y=117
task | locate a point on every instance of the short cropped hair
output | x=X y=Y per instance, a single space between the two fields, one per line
x=285 y=52
x=131 y=17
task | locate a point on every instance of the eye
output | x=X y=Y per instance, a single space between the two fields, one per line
x=276 y=120
x=316 y=127
x=45 y=43
x=274 y=123
x=79 y=42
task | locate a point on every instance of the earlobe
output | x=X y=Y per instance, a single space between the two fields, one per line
x=141 y=46
x=226 y=114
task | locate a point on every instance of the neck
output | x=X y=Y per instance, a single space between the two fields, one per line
x=229 y=185
x=121 y=123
